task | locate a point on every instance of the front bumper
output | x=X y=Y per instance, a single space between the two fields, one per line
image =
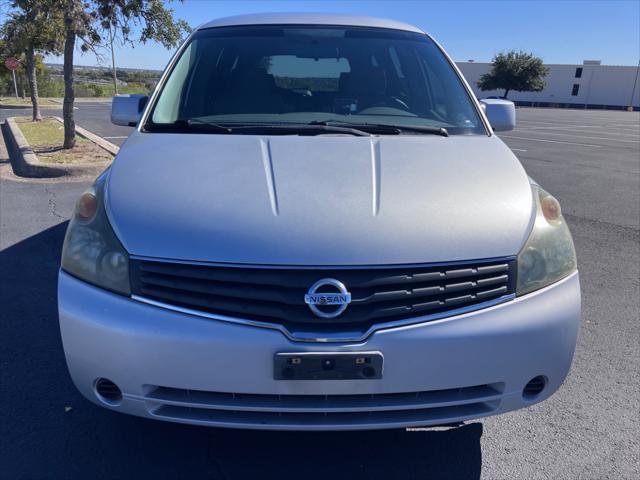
x=177 y=367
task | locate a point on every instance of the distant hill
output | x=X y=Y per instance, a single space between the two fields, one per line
x=58 y=66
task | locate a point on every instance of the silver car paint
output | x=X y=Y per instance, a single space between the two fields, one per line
x=136 y=345
x=309 y=19
x=324 y=200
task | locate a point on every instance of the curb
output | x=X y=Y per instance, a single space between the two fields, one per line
x=5 y=106
x=26 y=163
x=28 y=105
x=98 y=140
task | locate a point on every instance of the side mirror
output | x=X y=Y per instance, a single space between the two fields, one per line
x=500 y=113
x=126 y=110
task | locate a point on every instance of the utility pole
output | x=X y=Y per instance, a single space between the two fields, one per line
x=113 y=60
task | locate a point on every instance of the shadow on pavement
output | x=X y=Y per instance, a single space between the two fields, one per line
x=41 y=437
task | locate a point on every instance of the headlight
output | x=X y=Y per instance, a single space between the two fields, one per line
x=549 y=254
x=91 y=250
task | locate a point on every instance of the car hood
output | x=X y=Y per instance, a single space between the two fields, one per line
x=318 y=200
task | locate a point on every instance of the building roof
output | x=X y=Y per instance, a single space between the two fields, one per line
x=309 y=19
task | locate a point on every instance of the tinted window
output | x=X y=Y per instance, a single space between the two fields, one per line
x=575 y=89
x=291 y=74
x=579 y=72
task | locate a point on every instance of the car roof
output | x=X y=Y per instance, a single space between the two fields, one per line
x=309 y=19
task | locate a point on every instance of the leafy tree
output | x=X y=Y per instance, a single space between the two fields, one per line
x=88 y=21
x=519 y=71
x=137 y=21
x=32 y=28
x=78 y=23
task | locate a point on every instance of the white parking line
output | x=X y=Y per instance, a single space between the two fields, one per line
x=518 y=149
x=122 y=136
x=627 y=128
x=591 y=137
x=552 y=141
x=580 y=129
x=590 y=116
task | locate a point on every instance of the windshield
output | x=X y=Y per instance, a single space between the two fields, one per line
x=294 y=75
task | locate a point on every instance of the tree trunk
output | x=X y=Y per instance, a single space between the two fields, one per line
x=506 y=92
x=69 y=93
x=33 y=84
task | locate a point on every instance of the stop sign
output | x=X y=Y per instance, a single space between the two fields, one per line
x=11 y=63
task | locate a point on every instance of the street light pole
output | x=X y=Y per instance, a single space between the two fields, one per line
x=15 y=85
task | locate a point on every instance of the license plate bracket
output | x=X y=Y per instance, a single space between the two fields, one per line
x=328 y=366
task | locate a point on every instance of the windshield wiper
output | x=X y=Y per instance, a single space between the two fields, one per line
x=190 y=125
x=386 y=129
x=300 y=128
x=256 y=129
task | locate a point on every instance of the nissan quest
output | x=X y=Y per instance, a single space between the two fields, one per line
x=314 y=226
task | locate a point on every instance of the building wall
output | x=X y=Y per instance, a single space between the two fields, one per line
x=600 y=85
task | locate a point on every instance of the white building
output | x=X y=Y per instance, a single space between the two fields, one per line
x=591 y=84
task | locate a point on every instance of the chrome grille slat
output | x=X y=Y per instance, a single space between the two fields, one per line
x=292 y=298
x=276 y=294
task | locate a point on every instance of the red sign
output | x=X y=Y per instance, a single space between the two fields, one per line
x=11 y=63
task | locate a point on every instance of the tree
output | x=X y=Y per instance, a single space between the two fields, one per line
x=519 y=71
x=137 y=21
x=78 y=23
x=87 y=21
x=33 y=28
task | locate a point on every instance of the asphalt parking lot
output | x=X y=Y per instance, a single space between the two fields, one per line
x=589 y=429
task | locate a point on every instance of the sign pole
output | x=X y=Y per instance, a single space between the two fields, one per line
x=12 y=64
x=15 y=85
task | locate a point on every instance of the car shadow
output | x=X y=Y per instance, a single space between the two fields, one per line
x=47 y=430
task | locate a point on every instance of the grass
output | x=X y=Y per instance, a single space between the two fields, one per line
x=48 y=132
x=46 y=138
x=44 y=102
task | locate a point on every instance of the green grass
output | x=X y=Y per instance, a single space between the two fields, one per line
x=48 y=132
x=46 y=138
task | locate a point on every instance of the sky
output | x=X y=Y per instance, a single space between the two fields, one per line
x=557 y=31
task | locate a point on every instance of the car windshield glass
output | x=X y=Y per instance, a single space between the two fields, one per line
x=298 y=75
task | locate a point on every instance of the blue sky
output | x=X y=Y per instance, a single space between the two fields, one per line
x=557 y=31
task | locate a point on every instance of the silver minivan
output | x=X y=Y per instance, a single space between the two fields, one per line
x=314 y=227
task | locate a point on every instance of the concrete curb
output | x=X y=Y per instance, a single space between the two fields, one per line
x=98 y=140
x=5 y=106
x=26 y=163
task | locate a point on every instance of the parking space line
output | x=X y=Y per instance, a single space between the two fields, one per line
x=518 y=149
x=120 y=136
x=580 y=130
x=552 y=141
x=576 y=135
x=534 y=124
x=560 y=122
x=569 y=116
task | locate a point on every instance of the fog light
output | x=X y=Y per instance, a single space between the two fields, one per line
x=534 y=387
x=108 y=392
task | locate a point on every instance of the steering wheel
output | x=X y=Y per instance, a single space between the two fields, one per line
x=396 y=102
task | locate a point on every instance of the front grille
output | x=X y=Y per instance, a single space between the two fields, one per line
x=276 y=295
x=381 y=409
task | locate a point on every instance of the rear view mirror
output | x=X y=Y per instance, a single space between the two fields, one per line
x=126 y=110
x=500 y=113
